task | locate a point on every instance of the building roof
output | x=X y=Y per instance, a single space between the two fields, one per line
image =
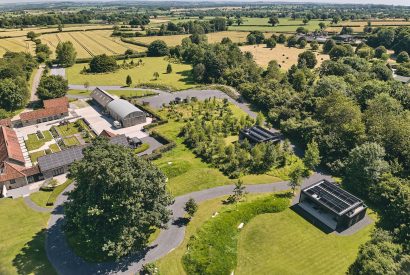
x=68 y=156
x=9 y=145
x=102 y=97
x=332 y=197
x=259 y=134
x=10 y=172
x=42 y=113
x=5 y=122
x=107 y=134
x=122 y=108
x=56 y=102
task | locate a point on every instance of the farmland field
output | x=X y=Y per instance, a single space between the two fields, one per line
x=285 y=25
x=17 y=44
x=178 y=79
x=285 y=56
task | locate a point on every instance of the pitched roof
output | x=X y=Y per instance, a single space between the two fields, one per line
x=42 y=113
x=10 y=171
x=107 y=134
x=5 y=122
x=56 y=102
x=9 y=146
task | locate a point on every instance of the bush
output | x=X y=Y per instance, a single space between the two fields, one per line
x=143 y=147
x=158 y=48
x=403 y=57
x=103 y=64
x=57 y=191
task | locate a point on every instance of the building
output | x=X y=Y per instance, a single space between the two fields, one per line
x=119 y=109
x=53 y=109
x=58 y=163
x=257 y=134
x=13 y=173
x=331 y=205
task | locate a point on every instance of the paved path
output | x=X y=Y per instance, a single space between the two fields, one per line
x=35 y=207
x=66 y=262
x=36 y=82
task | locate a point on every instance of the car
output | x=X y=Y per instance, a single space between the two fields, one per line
x=117 y=124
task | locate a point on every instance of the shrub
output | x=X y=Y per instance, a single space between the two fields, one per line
x=158 y=48
x=102 y=64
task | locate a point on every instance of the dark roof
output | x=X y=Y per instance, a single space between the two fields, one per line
x=259 y=134
x=332 y=197
x=68 y=156
x=101 y=96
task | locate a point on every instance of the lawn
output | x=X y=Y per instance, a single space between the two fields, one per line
x=68 y=129
x=35 y=155
x=54 y=148
x=285 y=56
x=71 y=141
x=47 y=198
x=33 y=142
x=22 y=239
x=187 y=173
x=285 y=243
x=127 y=93
x=179 y=79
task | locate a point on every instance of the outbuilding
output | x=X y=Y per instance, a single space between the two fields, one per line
x=126 y=113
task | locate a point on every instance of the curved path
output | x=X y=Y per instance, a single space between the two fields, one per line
x=35 y=207
x=65 y=261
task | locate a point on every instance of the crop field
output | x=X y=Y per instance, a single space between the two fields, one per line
x=358 y=26
x=90 y=43
x=285 y=25
x=17 y=44
x=285 y=56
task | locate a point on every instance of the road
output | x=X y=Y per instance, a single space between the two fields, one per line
x=36 y=82
x=66 y=262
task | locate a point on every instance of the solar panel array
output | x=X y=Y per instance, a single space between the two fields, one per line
x=60 y=159
x=259 y=134
x=332 y=196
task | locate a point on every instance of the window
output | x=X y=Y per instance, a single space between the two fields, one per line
x=58 y=171
x=13 y=181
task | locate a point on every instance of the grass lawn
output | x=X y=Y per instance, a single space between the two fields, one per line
x=129 y=93
x=33 y=142
x=179 y=79
x=71 y=141
x=285 y=243
x=40 y=198
x=22 y=239
x=35 y=155
x=54 y=148
x=67 y=130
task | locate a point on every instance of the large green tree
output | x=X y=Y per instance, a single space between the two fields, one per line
x=65 y=54
x=158 y=48
x=52 y=86
x=118 y=199
x=13 y=93
x=103 y=64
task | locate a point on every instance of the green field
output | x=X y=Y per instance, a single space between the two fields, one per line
x=179 y=79
x=285 y=243
x=22 y=239
x=285 y=25
x=127 y=93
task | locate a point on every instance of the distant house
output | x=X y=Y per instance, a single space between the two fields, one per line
x=13 y=173
x=257 y=134
x=119 y=109
x=58 y=163
x=331 y=205
x=53 y=109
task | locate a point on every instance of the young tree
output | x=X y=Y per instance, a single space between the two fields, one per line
x=52 y=86
x=169 y=68
x=191 y=207
x=156 y=75
x=260 y=120
x=314 y=45
x=312 y=155
x=31 y=35
x=322 y=25
x=238 y=192
x=305 y=21
x=295 y=177
x=65 y=54
x=126 y=198
x=128 y=80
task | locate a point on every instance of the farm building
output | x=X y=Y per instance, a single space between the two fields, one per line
x=257 y=134
x=58 y=163
x=119 y=109
x=13 y=173
x=53 y=109
x=331 y=205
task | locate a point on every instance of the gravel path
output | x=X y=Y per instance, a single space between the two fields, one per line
x=66 y=262
x=36 y=82
x=35 y=207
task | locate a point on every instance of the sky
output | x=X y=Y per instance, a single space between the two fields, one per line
x=386 y=2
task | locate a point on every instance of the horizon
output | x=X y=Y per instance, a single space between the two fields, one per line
x=336 y=2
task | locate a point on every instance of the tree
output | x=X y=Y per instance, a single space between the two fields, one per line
x=380 y=51
x=314 y=45
x=305 y=21
x=339 y=51
x=52 y=86
x=312 y=155
x=307 y=58
x=13 y=93
x=158 y=48
x=169 y=68
x=31 y=35
x=191 y=207
x=273 y=20
x=128 y=80
x=328 y=46
x=238 y=192
x=403 y=57
x=65 y=54
x=239 y=21
x=103 y=64
x=364 y=167
x=125 y=199
x=322 y=25
x=260 y=119
x=149 y=269
x=270 y=43
x=295 y=177
x=255 y=37
x=156 y=75
x=281 y=38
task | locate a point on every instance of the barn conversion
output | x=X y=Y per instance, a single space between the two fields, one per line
x=119 y=109
x=331 y=205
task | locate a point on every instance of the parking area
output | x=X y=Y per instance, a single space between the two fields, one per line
x=99 y=122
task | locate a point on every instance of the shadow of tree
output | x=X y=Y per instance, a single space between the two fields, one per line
x=32 y=258
x=187 y=77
